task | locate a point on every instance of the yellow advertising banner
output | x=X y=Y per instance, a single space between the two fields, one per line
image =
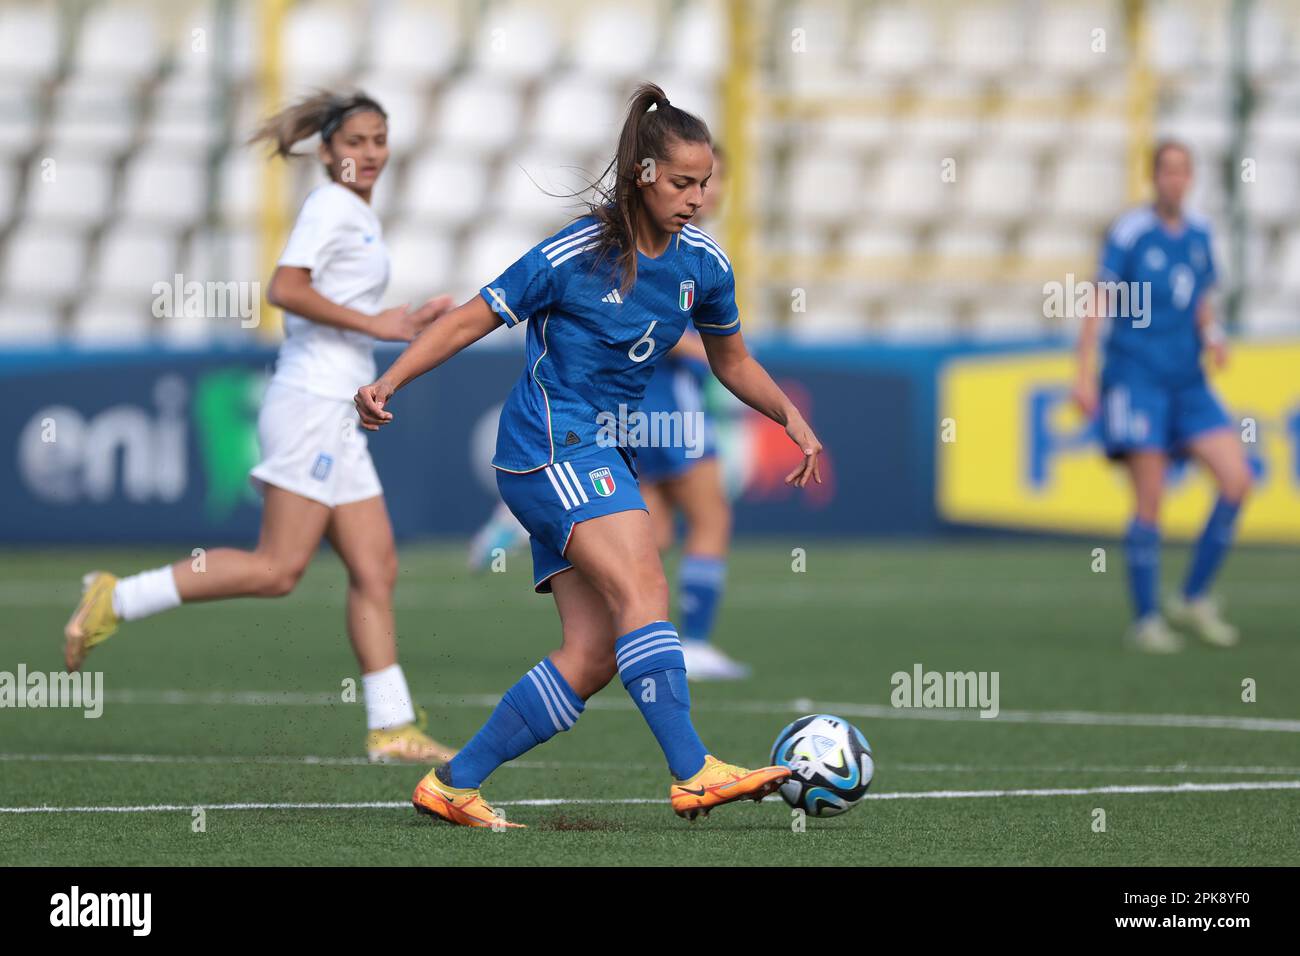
x=1014 y=452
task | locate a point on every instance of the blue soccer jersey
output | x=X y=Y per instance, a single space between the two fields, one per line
x=590 y=347
x=1168 y=274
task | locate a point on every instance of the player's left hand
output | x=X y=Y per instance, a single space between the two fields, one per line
x=1219 y=355
x=803 y=436
x=370 y=401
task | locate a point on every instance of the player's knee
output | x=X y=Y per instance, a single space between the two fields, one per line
x=1237 y=486
x=377 y=578
x=280 y=576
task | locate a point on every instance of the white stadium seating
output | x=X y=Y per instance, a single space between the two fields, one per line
x=123 y=156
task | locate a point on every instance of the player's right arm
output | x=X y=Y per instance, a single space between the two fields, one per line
x=1085 y=381
x=291 y=290
x=458 y=329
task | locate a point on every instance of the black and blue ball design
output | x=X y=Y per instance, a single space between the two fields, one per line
x=831 y=762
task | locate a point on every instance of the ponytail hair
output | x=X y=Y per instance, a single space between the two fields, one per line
x=321 y=112
x=651 y=127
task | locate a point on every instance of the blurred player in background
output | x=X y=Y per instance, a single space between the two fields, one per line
x=676 y=479
x=673 y=479
x=590 y=351
x=1154 y=400
x=316 y=474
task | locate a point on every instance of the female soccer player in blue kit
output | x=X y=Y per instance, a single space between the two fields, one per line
x=1154 y=400
x=607 y=296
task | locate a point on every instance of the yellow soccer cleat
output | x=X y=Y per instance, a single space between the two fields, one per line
x=461 y=806
x=406 y=744
x=718 y=783
x=94 y=620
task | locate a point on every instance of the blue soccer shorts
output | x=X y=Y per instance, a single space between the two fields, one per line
x=1140 y=416
x=551 y=501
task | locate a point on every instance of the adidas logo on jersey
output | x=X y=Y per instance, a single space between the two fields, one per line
x=612 y=297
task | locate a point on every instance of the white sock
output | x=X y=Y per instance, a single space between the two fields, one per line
x=145 y=593
x=388 y=699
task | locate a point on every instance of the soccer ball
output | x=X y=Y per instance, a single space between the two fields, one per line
x=832 y=764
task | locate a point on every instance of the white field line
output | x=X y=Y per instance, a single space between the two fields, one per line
x=308 y=760
x=568 y=801
x=1077 y=718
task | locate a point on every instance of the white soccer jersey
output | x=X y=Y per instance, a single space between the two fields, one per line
x=339 y=238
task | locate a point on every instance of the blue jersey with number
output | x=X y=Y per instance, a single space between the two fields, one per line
x=1170 y=271
x=590 y=347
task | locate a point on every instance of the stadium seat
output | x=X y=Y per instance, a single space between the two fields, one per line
x=1062 y=38
x=106 y=323
x=239 y=186
x=436 y=31
x=421 y=264
x=1088 y=188
x=43 y=263
x=534 y=186
x=20 y=118
x=825 y=188
x=616 y=40
x=897 y=40
x=93 y=115
x=24 y=321
x=908 y=187
x=445 y=188
x=575 y=113
x=1269 y=316
x=320 y=42
x=831 y=315
x=120 y=39
x=476 y=115
x=8 y=193
x=185 y=116
x=490 y=250
x=29 y=41
x=697 y=40
x=986 y=39
x=69 y=191
x=130 y=260
x=1274 y=196
x=164 y=188
x=916 y=318
x=515 y=41
x=996 y=187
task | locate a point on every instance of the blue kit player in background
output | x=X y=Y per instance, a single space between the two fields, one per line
x=686 y=479
x=604 y=299
x=1153 y=398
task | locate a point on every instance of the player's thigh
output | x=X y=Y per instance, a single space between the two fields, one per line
x=618 y=556
x=661 y=513
x=1146 y=470
x=362 y=535
x=586 y=657
x=1221 y=452
x=698 y=493
x=292 y=528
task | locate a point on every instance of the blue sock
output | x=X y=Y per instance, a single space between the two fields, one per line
x=1213 y=545
x=652 y=668
x=700 y=580
x=1142 y=550
x=539 y=706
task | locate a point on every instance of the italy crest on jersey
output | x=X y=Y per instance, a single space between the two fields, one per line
x=602 y=479
x=686 y=295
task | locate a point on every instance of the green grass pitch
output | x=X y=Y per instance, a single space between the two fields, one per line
x=240 y=703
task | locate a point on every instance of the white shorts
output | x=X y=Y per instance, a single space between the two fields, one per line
x=314 y=447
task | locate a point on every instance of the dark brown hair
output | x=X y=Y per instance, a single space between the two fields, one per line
x=321 y=112
x=647 y=134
